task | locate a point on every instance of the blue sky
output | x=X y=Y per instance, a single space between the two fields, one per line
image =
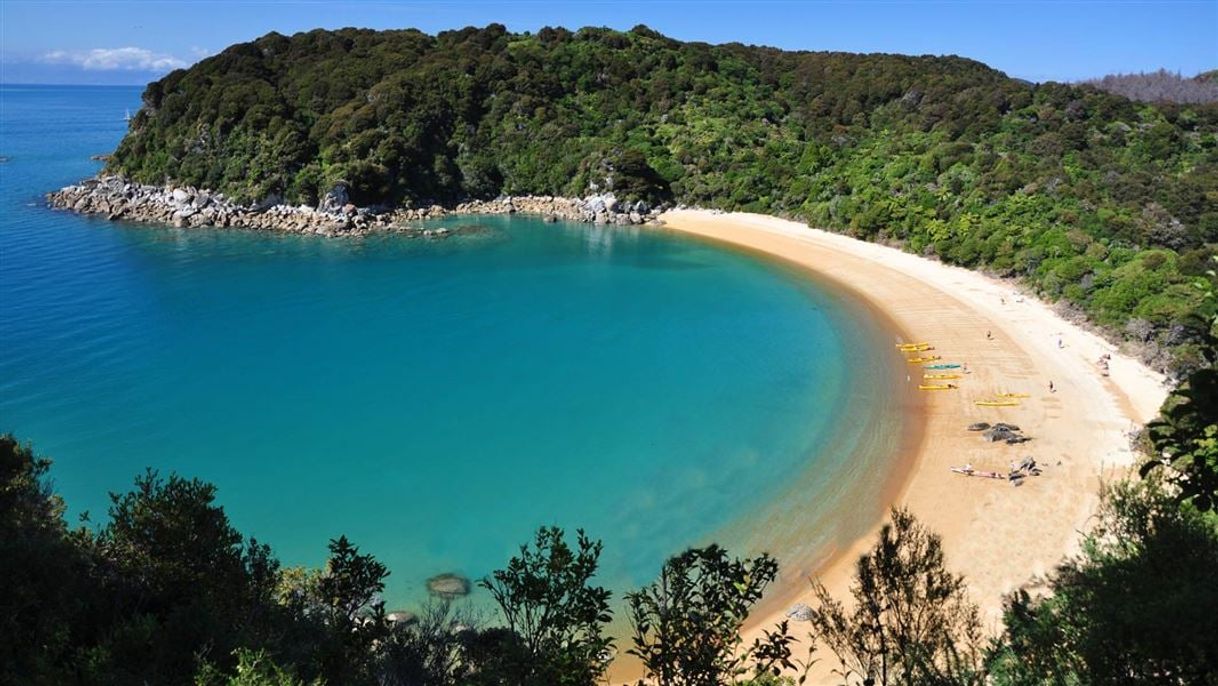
x=134 y=41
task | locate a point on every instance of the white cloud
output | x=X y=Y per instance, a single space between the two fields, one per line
x=111 y=59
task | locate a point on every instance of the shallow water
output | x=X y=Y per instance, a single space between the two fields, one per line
x=435 y=401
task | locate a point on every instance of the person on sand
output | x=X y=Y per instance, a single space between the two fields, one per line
x=1051 y=388
x=989 y=336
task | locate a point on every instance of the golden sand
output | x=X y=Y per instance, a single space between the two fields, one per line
x=997 y=535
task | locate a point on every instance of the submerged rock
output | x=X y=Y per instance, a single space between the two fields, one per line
x=449 y=586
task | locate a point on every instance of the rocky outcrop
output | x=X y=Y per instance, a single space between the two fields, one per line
x=596 y=209
x=185 y=207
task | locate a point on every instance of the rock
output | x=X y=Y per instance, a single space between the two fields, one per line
x=449 y=586
x=334 y=199
x=401 y=617
x=185 y=207
x=800 y=613
x=267 y=203
x=996 y=434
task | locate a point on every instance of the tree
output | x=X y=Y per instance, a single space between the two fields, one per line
x=179 y=580
x=911 y=621
x=44 y=583
x=349 y=594
x=254 y=668
x=1137 y=606
x=1184 y=439
x=687 y=623
x=548 y=602
x=429 y=649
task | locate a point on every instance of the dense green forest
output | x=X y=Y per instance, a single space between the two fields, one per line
x=166 y=591
x=1106 y=205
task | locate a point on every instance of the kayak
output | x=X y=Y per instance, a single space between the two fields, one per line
x=1013 y=395
x=936 y=387
x=942 y=376
x=942 y=366
x=997 y=403
x=913 y=346
x=920 y=360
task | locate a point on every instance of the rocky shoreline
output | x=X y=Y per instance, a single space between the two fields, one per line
x=118 y=198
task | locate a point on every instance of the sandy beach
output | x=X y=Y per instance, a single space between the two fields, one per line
x=997 y=535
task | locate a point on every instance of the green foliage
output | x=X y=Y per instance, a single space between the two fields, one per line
x=253 y=669
x=1136 y=607
x=554 y=616
x=167 y=592
x=1085 y=195
x=687 y=623
x=431 y=649
x=40 y=581
x=1184 y=440
x=911 y=622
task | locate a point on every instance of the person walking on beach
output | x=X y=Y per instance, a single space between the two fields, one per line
x=1051 y=388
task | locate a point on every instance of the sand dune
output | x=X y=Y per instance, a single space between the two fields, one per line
x=997 y=535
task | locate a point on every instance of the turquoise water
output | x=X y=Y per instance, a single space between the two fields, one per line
x=435 y=401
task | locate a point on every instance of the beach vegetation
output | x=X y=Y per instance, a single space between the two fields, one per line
x=909 y=621
x=167 y=591
x=1184 y=440
x=687 y=623
x=1136 y=606
x=555 y=618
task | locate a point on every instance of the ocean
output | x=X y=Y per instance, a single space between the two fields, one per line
x=433 y=400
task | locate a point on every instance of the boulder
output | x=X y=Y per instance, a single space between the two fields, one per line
x=335 y=199
x=800 y=613
x=449 y=585
x=180 y=195
x=401 y=617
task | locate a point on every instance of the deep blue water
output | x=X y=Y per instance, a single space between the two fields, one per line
x=435 y=401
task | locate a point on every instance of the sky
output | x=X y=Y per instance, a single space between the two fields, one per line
x=135 y=41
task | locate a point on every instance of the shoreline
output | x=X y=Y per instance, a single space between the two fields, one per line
x=119 y=199
x=998 y=536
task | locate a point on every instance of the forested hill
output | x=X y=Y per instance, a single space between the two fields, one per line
x=1108 y=204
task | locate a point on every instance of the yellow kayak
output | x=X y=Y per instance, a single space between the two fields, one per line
x=997 y=403
x=942 y=376
x=913 y=346
x=1013 y=395
x=920 y=360
x=936 y=387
